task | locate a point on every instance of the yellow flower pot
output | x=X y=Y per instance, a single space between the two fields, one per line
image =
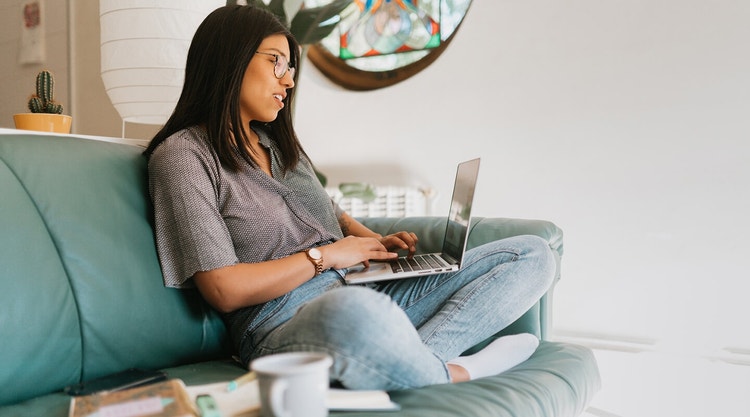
x=43 y=122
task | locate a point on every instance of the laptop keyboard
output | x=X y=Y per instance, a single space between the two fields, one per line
x=416 y=263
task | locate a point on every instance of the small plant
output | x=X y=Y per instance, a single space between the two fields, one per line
x=362 y=191
x=43 y=101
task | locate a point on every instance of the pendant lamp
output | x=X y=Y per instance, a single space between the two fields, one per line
x=144 y=45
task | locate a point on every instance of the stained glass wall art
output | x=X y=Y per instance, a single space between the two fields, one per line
x=378 y=43
x=390 y=26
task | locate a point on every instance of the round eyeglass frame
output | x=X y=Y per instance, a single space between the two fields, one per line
x=280 y=64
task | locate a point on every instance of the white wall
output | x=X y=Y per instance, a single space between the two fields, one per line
x=17 y=81
x=624 y=122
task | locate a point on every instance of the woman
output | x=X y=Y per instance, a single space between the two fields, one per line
x=238 y=209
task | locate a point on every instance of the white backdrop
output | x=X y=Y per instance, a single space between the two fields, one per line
x=625 y=123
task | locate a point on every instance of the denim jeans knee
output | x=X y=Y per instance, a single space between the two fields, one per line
x=373 y=343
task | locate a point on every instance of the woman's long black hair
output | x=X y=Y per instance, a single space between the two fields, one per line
x=219 y=54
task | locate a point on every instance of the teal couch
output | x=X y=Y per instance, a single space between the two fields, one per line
x=81 y=293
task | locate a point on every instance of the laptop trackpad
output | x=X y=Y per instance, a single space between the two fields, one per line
x=376 y=268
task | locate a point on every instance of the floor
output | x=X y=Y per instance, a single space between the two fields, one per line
x=659 y=384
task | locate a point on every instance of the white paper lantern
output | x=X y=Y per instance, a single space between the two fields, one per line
x=144 y=45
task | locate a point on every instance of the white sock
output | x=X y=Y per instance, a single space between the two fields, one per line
x=499 y=356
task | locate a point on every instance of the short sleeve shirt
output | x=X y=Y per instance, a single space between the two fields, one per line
x=207 y=216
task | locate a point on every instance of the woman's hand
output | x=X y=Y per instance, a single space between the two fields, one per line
x=391 y=243
x=352 y=250
x=401 y=241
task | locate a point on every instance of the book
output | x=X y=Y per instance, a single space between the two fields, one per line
x=357 y=400
x=165 y=399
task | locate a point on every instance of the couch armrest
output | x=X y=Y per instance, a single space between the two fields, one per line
x=483 y=229
x=430 y=231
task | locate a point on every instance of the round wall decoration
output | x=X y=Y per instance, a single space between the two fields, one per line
x=378 y=43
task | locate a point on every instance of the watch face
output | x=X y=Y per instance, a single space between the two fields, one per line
x=315 y=253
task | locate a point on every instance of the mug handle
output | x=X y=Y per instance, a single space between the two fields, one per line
x=276 y=397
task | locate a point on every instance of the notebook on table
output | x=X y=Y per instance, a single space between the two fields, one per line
x=454 y=241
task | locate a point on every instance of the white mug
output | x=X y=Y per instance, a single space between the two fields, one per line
x=293 y=384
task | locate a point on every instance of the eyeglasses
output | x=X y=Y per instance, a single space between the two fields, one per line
x=281 y=65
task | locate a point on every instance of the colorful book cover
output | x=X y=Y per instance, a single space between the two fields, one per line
x=167 y=399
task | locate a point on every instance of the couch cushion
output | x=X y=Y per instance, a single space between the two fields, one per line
x=558 y=380
x=100 y=292
x=39 y=320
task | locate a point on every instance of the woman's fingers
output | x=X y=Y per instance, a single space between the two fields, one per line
x=402 y=240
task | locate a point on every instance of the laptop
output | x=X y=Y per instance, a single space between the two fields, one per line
x=454 y=241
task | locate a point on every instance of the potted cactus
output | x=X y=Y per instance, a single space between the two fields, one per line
x=46 y=114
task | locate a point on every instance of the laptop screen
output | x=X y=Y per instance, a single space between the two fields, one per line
x=459 y=216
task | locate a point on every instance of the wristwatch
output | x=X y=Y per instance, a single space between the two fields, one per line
x=314 y=255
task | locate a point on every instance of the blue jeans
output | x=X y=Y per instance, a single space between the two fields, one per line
x=399 y=334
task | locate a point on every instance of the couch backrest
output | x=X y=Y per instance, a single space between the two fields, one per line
x=81 y=292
